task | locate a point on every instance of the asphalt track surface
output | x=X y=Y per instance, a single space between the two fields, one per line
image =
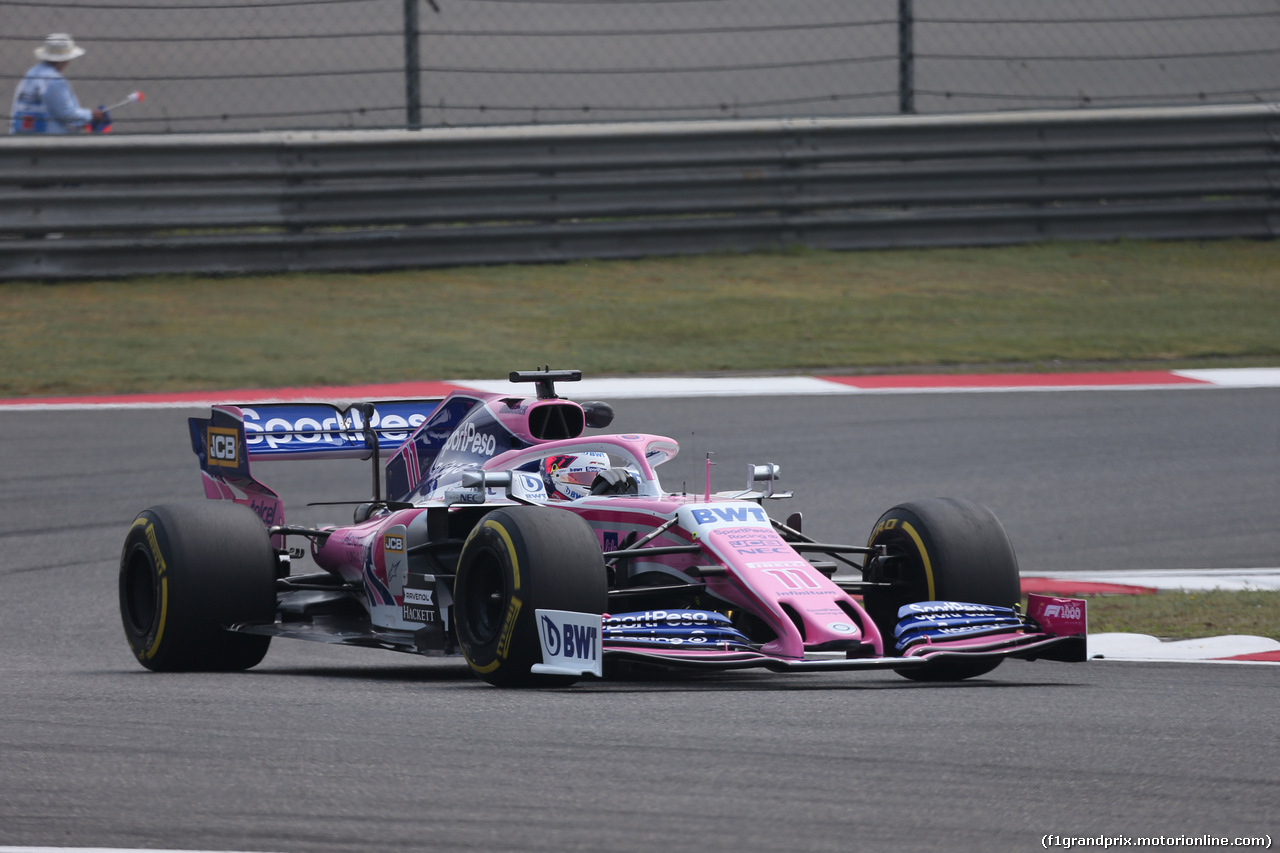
x=347 y=749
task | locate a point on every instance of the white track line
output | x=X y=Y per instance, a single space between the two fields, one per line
x=1238 y=377
x=103 y=850
x=1142 y=647
x=714 y=386
x=1184 y=579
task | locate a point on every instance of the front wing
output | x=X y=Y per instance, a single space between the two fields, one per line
x=1053 y=629
x=1031 y=646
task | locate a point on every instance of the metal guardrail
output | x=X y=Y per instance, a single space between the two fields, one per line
x=101 y=207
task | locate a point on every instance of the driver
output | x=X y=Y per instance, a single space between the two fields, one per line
x=572 y=476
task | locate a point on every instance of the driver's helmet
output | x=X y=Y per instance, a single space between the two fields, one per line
x=570 y=476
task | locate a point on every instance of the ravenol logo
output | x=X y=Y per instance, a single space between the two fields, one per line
x=223 y=448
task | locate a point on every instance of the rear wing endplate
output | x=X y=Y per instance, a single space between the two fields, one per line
x=233 y=436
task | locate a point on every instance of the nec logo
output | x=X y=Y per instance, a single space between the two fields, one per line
x=222 y=447
x=393 y=543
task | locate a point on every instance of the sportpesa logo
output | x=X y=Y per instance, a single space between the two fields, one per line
x=304 y=426
x=468 y=439
x=662 y=619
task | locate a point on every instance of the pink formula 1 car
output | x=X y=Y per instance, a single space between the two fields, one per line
x=501 y=532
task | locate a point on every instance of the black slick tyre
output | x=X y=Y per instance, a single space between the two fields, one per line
x=187 y=571
x=515 y=561
x=941 y=549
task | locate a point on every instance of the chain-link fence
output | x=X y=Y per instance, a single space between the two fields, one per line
x=230 y=65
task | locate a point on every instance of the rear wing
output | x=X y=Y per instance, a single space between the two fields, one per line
x=306 y=430
x=233 y=436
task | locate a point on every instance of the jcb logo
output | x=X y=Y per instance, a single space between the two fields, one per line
x=393 y=543
x=223 y=447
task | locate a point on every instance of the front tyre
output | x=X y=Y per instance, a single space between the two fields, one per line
x=187 y=572
x=518 y=560
x=942 y=549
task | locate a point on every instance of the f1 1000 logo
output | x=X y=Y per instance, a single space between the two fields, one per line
x=222 y=447
x=1063 y=611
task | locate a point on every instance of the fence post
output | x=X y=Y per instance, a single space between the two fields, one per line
x=412 y=79
x=906 y=58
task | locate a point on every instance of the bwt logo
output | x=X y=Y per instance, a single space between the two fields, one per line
x=221 y=443
x=569 y=640
x=728 y=513
x=393 y=543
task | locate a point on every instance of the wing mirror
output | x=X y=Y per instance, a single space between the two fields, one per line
x=475 y=486
x=599 y=415
x=768 y=474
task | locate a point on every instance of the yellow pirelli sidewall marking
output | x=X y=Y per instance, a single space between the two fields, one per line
x=511 y=549
x=509 y=627
x=924 y=556
x=887 y=524
x=164 y=611
x=489 y=667
x=513 y=609
x=161 y=570
x=137 y=522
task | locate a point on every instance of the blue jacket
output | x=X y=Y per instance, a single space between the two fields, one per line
x=44 y=103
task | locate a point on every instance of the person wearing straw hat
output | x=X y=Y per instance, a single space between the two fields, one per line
x=43 y=102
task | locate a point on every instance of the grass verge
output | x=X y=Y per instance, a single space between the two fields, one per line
x=1022 y=307
x=1177 y=615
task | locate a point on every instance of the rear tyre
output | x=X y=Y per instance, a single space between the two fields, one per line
x=517 y=560
x=187 y=571
x=942 y=549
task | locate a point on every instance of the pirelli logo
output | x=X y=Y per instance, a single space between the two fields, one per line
x=223 y=448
